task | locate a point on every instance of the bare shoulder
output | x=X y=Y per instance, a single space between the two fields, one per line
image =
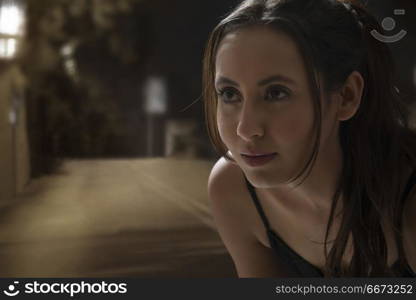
x=225 y=177
x=227 y=194
x=233 y=215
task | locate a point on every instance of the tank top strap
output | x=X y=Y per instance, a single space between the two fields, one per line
x=256 y=201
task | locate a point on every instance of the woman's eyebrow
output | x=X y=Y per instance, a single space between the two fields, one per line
x=276 y=77
x=265 y=81
x=225 y=80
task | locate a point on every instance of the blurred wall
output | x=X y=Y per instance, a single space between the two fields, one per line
x=14 y=152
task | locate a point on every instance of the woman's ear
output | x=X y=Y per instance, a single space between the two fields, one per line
x=350 y=96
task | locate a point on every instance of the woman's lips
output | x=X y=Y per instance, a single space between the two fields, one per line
x=258 y=160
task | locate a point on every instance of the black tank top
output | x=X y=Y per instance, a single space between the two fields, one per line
x=300 y=266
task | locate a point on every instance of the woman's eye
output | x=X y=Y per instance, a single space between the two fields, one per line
x=228 y=95
x=276 y=93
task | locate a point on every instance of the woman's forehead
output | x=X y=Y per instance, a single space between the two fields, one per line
x=259 y=52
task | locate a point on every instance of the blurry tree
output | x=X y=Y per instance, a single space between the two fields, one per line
x=73 y=52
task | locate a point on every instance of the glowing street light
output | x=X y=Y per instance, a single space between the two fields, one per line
x=11 y=27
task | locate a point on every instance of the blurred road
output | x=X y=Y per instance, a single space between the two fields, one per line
x=146 y=218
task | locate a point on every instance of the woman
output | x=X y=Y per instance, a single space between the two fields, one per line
x=318 y=169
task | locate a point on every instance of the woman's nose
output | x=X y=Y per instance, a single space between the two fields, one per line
x=250 y=124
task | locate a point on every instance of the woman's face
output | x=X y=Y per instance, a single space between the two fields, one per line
x=265 y=105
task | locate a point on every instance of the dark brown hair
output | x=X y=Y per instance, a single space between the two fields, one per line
x=334 y=39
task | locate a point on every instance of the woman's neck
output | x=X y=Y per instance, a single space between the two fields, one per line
x=317 y=190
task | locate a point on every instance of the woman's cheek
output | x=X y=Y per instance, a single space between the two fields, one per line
x=292 y=128
x=227 y=130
